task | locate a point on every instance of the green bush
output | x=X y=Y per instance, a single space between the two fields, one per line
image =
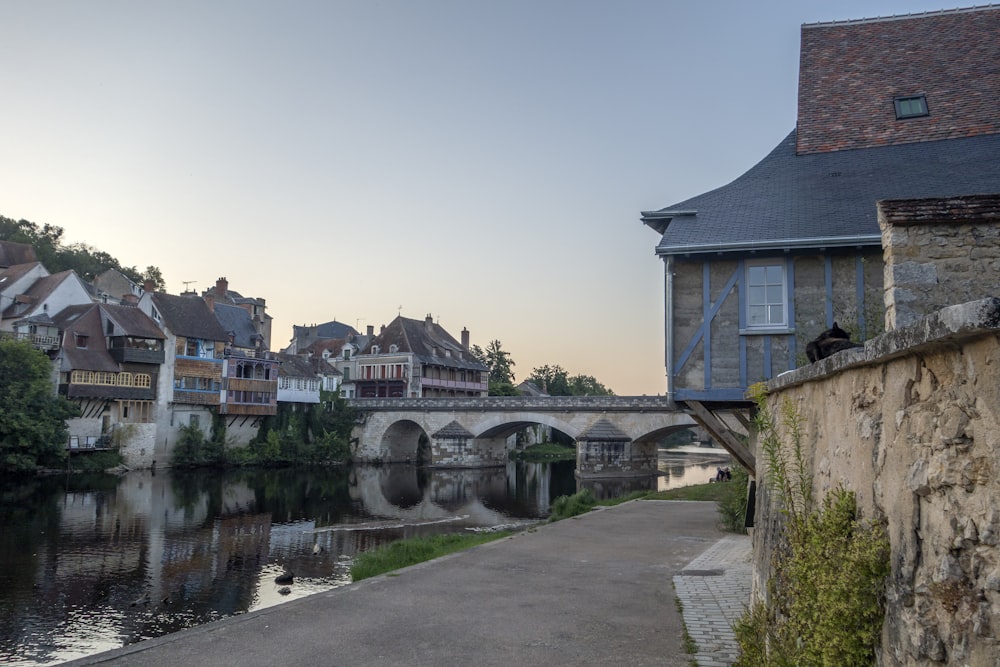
x=826 y=599
x=733 y=501
x=564 y=507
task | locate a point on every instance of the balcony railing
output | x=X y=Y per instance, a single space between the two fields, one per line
x=41 y=341
x=137 y=355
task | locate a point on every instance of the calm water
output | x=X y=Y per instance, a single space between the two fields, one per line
x=89 y=564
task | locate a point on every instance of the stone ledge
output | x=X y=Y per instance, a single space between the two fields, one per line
x=945 y=327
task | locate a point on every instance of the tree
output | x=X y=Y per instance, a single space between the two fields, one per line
x=87 y=261
x=555 y=381
x=33 y=426
x=501 y=375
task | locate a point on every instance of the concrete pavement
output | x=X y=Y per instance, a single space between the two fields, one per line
x=594 y=589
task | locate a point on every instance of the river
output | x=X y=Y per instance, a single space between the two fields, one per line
x=91 y=563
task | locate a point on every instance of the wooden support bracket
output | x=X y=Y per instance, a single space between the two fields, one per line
x=722 y=434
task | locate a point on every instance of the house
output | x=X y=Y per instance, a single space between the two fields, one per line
x=257 y=308
x=190 y=388
x=13 y=253
x=113 y=286
x=297 y=383
x=418 y=358
x=249 y=369
x=888 y=108
x=108 y=363
x=305 y=335
x=35 y=296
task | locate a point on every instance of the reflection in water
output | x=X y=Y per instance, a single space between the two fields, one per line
x=89 y=563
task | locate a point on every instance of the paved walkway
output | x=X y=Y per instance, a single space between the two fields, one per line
x=591 y=590
x=714 y=589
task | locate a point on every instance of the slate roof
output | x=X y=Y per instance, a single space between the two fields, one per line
x=823 y=199
x=189 y=316
x=238 y=321
x=420 y=338
x=453 y=430
x=40 y=290
x=83 y=319
x=604 y=430
x=130 y=321
x=294 y=366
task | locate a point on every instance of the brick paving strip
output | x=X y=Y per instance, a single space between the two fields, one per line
x=714 y=590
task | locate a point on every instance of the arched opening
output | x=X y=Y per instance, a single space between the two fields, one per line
x=404 y=442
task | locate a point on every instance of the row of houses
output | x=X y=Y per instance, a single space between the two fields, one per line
x=129 y=355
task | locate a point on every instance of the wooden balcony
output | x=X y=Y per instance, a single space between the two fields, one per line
x=196 y=397
x=136 y=355
x=255 y=409
x=243 y=384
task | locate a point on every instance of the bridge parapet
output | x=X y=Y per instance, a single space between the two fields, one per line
x=519 y=404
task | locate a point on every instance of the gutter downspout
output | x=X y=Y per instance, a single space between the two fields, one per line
x=668 y=323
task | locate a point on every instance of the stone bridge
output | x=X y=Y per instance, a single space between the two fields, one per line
x=615 y=435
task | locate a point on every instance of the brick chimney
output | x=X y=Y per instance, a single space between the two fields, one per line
x=148 y=286
x=465 y=338
x=429 y=322
x=221 y=288
x=210 y=302
x=371 y=330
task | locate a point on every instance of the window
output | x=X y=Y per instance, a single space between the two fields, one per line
x=910 y=107
x=81 y=341
x=766 y=307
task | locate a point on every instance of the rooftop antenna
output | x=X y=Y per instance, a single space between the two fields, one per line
x=399 y=311
x=188 y=282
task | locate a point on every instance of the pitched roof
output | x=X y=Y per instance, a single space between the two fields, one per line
x=83 y=320
x=851 y=71
x=427 y=341
x=823 y=199
x=130 y=321
x=238 y=321
x=12 y=273
x=291 y=365
x=13 y=253
x=189 y=316
x=42 y=289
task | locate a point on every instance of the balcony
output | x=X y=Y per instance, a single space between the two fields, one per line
x=454 y=384
x=40 y=341
x=195 y=397
x=136 y=355
x=243 y=384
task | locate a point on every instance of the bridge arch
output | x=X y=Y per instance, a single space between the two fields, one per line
x=404 y=440
x=505 y=425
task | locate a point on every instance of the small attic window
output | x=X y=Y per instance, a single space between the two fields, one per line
x=910 y=107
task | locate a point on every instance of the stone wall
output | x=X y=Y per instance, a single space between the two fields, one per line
x=938 y=252
x=911 y=424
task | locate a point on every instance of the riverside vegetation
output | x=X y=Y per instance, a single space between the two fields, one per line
x=826 y=600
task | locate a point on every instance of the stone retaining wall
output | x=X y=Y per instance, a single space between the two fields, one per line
x=911 y=424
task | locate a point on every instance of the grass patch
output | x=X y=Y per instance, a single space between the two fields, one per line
x=403 y=553
x=95 y=461
x=564 y=507
x=547 y=451
x=715 y=492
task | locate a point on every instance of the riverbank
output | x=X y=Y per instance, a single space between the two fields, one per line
x=596 y=588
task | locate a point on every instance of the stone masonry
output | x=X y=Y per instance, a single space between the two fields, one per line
x=938 y=252
x=911 y=424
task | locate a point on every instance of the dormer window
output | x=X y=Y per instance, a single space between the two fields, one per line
x=910 y=107
x=393 y=349
x=375 y=349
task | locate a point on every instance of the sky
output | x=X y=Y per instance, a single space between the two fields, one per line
x=485 y=163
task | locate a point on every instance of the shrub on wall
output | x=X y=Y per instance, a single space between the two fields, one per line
x=826 y=600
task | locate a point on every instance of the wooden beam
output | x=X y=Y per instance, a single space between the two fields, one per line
x=722 y=434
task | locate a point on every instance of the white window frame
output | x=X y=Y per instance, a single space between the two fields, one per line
x=769 y=300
